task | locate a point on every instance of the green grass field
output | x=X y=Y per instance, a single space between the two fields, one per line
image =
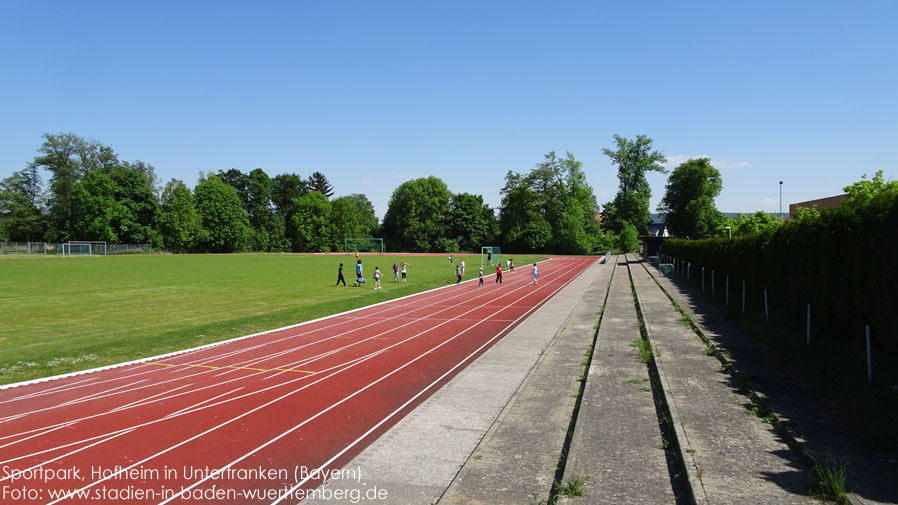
x=65 y=314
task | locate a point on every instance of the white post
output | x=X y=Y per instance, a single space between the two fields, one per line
x=766 y=312
x=743 y=297
x=869 y=357
x=809 y=324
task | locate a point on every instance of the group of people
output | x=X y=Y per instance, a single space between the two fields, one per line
x=403 y=268
x=360 y=278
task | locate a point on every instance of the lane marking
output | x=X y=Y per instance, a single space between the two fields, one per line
x=230 y=367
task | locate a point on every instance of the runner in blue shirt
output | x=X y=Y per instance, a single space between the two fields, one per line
x=535 y=273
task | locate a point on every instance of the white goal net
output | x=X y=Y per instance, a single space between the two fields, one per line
x=84 y=248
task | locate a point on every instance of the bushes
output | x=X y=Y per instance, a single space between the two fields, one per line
x=841 y=261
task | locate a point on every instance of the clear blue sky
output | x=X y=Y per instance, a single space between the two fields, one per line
x=375 y=93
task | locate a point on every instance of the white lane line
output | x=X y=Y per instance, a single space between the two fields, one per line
x=98 y=394
x=68 y=454
x=149 y=399
x=52 y=429
x=207 y=400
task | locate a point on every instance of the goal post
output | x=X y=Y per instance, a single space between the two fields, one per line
x=490 y=256
x=354 y=245
x=84 y=248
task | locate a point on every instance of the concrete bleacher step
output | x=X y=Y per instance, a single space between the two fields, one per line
x=731 y=457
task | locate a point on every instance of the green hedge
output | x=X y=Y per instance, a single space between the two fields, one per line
x=844 y=262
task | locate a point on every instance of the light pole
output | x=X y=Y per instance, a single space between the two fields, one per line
x=781 y=200
x=729 y=231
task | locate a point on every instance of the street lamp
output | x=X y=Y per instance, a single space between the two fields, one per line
x=781 y=200
x=729 y=230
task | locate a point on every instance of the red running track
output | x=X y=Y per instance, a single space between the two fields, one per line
x=268 y=414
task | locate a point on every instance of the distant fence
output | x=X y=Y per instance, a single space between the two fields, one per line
x=7 y=247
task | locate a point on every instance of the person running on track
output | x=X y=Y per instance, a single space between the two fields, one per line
x=340 y=277
x=511 y=265
x=458 y=274
x=535 y=273
x=499 y=274
x=481 y=278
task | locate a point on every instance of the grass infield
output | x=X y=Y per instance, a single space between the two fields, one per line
x=66 y=314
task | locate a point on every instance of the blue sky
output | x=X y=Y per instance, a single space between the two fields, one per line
x=375 y=93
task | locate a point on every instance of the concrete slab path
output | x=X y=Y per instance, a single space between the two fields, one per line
x=617 y=442
x=731 y=457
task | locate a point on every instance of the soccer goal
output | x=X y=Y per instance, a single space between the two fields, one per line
x=354 y=245
x=84 y=248
x=37 y=248
x=490 y=255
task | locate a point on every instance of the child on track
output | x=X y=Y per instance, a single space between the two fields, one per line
x=481 y=278
x=498 y=274
x=458 y=275
x=535 y=273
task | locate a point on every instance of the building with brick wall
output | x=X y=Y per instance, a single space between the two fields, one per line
x=830 y=202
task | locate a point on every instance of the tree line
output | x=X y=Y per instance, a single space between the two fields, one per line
x=91 y=194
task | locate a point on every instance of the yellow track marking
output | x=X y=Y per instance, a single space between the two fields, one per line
x=231 y=367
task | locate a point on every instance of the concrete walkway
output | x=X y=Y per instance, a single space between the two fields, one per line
x=731 y=457
x=416 y=460
x=813 y=421
x=617 y=442
x=516 y=461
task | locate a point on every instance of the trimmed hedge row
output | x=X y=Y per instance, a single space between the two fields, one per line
x=844 y=262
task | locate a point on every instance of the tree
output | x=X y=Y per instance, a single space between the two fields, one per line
x=134 y=189
x=689 y=199
x=522 y=224
x=864 y=191
x=742 y=225
x=628 y=241
x=631 y=204
x=96 y=213
x=312 y=224
x=346 y=222
x=21 y=216
x=258 y=207
x=69 y=158
x=551 y=208
x=285 y=189
x=416 y=215
x=225 y=224
x=471 y=223
x=368 y=225
x=239 y=181
x=179 y=221
x=318 y=182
